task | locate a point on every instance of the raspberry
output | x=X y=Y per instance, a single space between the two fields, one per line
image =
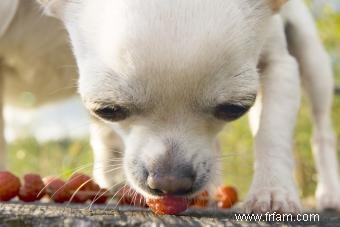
x=33 y=188
x=96 y=194
x=55 y=188
x=78 y=183
x=226 y=196
x=100 y=197
x=124 y=195
x=130 y=197
x=138 y=200
x=201 y=201
x=9 y=186
x=94 y=189
x=168 y=205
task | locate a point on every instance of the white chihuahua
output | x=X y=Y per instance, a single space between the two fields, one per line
x=162 y=77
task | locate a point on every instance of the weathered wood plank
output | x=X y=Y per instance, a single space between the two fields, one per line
x=37 y=214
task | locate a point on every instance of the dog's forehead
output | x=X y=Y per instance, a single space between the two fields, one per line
x=168 y=33
x=164 y=41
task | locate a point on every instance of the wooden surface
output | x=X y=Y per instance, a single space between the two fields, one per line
x=37 y=214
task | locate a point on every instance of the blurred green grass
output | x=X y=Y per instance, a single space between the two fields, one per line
x=51 y=158
x=55 y=158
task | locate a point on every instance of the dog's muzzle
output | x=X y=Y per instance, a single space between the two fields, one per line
x=175 y=181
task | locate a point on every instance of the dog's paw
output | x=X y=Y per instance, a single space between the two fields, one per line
x=272 y=199
x=327 y=198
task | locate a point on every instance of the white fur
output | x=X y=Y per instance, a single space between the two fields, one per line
x=108 y=151
x=174 y=77
x=318 y=81
x=273 y=187
x=172 y=62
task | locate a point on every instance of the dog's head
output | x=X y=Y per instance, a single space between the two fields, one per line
x=167 y=75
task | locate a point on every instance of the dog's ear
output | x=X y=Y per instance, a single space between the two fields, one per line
x=53 y=7
x=276 y=4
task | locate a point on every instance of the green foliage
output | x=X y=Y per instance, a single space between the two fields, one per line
x=329 y=26
x=236 y=145
x=51 y=158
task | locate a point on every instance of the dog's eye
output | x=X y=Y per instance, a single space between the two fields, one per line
x=114 y=113
x=229 y=112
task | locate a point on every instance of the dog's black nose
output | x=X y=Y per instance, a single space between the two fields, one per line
x=168 y=174
x=169 y=185
x=178 y=181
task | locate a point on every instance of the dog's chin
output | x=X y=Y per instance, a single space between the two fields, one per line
x=149 y=195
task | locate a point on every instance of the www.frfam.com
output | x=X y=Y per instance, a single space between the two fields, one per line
x=277 y=217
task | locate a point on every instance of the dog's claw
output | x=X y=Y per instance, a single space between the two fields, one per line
x=272 y=200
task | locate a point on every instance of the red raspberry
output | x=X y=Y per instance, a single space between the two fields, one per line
x=93 y=186
x=33 y=188
x=168 y=205
x=124 y=195
x=55 y=188
x=94 y=189
x=79 y=183
x=100 y=197
x=226 y=196
x=201 y=200
x=128 y=196
x=9 y=186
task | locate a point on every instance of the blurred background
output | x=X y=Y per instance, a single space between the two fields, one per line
x=53 y=139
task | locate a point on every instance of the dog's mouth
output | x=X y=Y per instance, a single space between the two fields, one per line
x=160 y=193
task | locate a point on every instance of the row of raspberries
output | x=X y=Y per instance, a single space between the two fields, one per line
x=80 y=188
x=225 y=198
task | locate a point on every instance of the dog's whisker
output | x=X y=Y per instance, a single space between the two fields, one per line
x=134 y=197
x=77 y=190
x=127 y=192
x=98 y=196
x=124 y=186
x=113 y=169
x=76 y=170
x=115 y=166
x=59 y=189
x=71 y=180
x=116 y=159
